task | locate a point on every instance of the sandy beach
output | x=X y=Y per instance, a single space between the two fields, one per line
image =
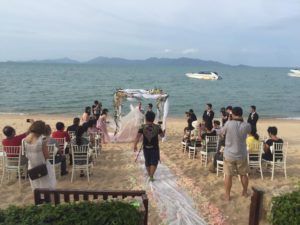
x=115 y=169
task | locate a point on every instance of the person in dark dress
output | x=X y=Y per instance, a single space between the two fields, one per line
x=253 y=118
x=193 y=115
x=224 y=116
x=150 y=133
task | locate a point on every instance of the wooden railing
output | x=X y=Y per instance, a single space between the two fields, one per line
x=54 y=196
x=255 y=206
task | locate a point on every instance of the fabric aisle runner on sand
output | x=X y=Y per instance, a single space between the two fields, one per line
x=175 y=206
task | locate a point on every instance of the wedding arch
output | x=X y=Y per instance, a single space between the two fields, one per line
x=162 y=103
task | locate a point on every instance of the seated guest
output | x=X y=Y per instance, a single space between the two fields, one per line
x=217 y=157
x=60 y=132
x=195 y=137
x=80 y=140
x=74 y=126
x=208 y=131
x=13 y=140
x=91 y=125
x=216 y=125
x=251 y=141
x=268 y=155
x=59 y=156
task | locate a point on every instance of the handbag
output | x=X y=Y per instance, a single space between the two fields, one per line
x=38 y=172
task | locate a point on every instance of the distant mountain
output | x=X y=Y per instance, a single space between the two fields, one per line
x=121 y=61
x=155 y=61
x=51 y=61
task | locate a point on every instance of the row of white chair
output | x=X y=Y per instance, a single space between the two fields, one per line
x=11 y=157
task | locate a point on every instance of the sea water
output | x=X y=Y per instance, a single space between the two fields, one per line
x=68 y=88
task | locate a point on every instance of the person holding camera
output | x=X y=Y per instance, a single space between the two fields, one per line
x=235 y=151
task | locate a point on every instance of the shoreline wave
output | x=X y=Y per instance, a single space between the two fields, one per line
x=170 y=116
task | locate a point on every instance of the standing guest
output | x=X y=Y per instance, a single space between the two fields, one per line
x=150 y=107
x=229 y=112
x=235 y=152
x=35 y=148
x=268 y=155
x=193 y=116
x=253 y=118
x=102 y=125
x=86 y=115
x=59 y=156
x=189 y=127
x=224 y=116
x=208 y=114
x=150 y=132
x=97 y=109
x=74 y=126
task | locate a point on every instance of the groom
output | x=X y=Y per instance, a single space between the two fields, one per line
x=150 y=132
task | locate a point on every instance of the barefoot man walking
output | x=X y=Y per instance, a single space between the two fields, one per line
x=150 y=132
x=235 y=152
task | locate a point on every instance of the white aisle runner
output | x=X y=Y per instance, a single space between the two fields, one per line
x=175 y=206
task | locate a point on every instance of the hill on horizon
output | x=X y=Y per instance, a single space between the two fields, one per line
x=122 y=61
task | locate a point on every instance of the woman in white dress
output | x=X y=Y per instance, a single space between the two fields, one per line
x=35 y=148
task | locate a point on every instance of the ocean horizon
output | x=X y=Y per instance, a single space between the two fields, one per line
x=34 y=88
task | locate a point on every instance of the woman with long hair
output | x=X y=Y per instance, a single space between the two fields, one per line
x=35 y=148
x=102 y=125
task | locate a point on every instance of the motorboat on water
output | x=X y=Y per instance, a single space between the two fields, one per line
x=205 y=75
x=294 y=73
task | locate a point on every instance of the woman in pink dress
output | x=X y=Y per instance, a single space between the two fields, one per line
x=102 y=126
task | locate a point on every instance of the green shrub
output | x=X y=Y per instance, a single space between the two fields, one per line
x=83 y=213
x=286 y=209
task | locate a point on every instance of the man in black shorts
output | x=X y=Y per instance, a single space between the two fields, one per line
x=150 y=132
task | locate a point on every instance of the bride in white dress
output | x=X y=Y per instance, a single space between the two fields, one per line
x=130 y=124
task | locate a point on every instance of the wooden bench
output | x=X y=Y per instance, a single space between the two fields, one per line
x=61 y=195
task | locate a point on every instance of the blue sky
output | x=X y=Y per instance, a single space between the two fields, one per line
x=253 y=32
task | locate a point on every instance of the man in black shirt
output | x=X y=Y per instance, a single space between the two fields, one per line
x=208 y=114
x=268 y=155
x=74 y=127
x=150 y=132
x=253 y=118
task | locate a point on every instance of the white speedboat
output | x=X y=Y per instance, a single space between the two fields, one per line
x=205 y=75
x=294 y=73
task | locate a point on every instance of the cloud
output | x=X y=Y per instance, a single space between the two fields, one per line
x=167 y=50
x=189 y=51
